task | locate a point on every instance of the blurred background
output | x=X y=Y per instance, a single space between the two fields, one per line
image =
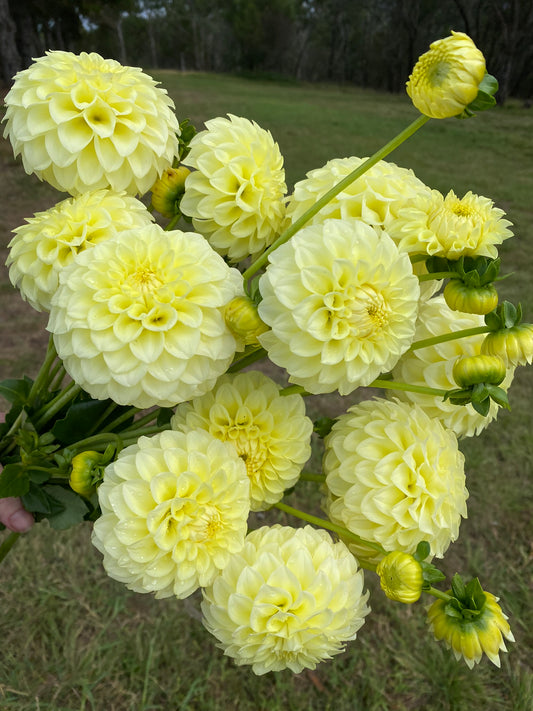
x=367 y=43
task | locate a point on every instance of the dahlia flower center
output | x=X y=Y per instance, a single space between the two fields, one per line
x=183 y=519
x=251 y=452
x=437 y=71
x=144 y=280
x=361 y=311
x=462 y=210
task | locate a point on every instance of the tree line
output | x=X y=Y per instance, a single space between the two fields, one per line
x=369 y=43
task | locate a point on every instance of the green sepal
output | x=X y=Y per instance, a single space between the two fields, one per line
x=458 y=587
x=423 y=550
x=482 y=407
x=14 y=480
x=485 y=97
x=323 y=426
x=187 y=133
x=468 y=600
x=506 y=315
x=437 y=264
x=431 y=575
x=253 y=290
x=498 y=395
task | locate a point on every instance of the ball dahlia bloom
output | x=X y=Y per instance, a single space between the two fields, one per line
x=139 y=318
x=447 y=77
x=236 y=194
x=270 y=432
x=375 y=197
x=469 y=639
x=289 y=599
x=450 y=226
x=395 y=477
x=432 y=366
x=174 y=510
x=51 y=239
x=341 y=302
x=81 y=122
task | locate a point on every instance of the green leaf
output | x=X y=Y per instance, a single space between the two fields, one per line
x=37 y=501
x=73 y=511
x=16 y=391
x=489 y=84
x=431 y=574
x=323 y=426
x=482 y=102
x=423 y=550
x=14 y=480
x=164 y=416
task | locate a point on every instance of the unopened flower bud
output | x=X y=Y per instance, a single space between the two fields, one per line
x=87 y=469
x=513 y=345
x=400 y=576
x=447 y=77
x=471 y=370
x=471 y=300
x=243 y=320
x=166 y=190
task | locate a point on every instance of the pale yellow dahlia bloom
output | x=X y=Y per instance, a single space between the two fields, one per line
x=289 y=599
x=236 y=194
x=450 y=226
x=139 y=318
x=447 y=77
x=82 y=123
x=50 y=240
x=270 y=432
x=433 y=367
x=395 y=477
x=469 y=639
x=341 y=301
x=375 y=197
x=174 y=511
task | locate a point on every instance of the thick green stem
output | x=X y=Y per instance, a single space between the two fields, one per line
x=293 y=389
x=8 y=544
x=407 y=387
x=56 y=376
x=51 y=408
x=309 y=476
x=173 y=222
x=435 y=340
x=436 y=275
x=42 y=379
x=327 y=197
x=136 y=424
x=97 y=442
x=122 y=418
x=324 y=523
x=438 y=593
x=252 y=357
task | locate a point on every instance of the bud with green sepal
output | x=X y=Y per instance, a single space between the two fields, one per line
x=87 y=470
x=470 y=622
x=243 y=320
x=400 y=577
x=478 y=378
x=509 y=339
x=167 y=191
x=470 y=288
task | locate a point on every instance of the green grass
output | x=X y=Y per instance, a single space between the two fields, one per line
x=72 y=639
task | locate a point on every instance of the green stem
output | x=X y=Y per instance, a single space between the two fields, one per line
x=42 y=378
x=103 y=417
x=56 y=376
x=51 y=408
x=335 y=190
x=136 y=424
x=293 y=389
x=407 y=387
x=465 y=333
x=96 y=442
x=309 y=476
x=173 y=222
x=324 y=523
x=122 y=418
x=252 y=357
x=437 y=275
x=417 y=258
x=438 y=593
x=8 y=544
x=146 y=431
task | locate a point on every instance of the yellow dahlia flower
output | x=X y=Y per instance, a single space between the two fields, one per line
x=139 y=318
x=289 y=599
x=236 y=194
x=395 y=477
x=375 y=197
x=433 y=366
x=469 y=639
x=400 y=577
x=269 y=431
x=82 y=123
x=447 y=77
x=174 y=510
x=50 y=240
x=341 y=301
x=449 y=226
x=513 y=345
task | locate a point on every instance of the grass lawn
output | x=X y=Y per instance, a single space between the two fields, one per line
x=73 y=639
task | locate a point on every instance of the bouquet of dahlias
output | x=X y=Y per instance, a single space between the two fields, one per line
x=147 y=415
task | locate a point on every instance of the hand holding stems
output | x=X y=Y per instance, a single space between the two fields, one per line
x=14 y=516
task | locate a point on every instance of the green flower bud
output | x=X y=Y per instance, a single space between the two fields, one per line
x=471 y=370
x=87 y=471
x=471 y=300
x=167 y=190
x=514 y=345
x=400 y=577
x=243 y=320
